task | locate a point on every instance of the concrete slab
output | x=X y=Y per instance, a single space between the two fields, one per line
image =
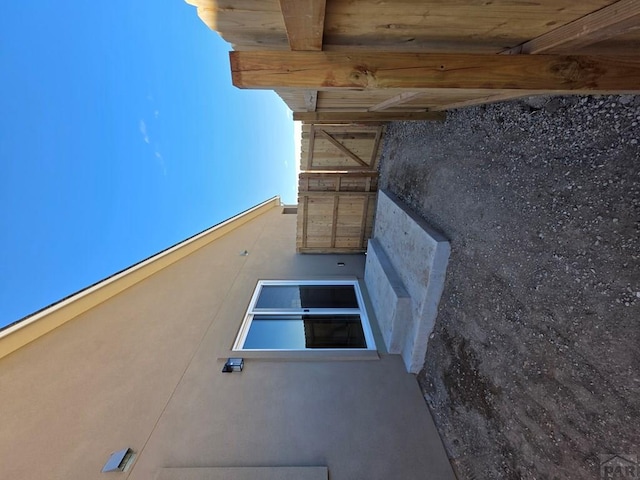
x=389 y=297
x=418 y=255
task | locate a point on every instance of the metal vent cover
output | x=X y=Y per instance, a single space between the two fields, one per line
x=119 y=461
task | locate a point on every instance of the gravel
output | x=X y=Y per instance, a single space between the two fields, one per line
x=533 y=370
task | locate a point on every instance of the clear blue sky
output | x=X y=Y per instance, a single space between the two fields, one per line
x=120 y=135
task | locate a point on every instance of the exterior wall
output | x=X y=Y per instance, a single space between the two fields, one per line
x=143 y=370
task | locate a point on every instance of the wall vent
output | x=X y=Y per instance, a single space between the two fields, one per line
x=119 y=461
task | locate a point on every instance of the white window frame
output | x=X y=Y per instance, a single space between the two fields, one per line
x=252 y=311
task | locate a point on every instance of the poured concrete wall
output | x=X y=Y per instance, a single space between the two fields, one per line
x=143 y=370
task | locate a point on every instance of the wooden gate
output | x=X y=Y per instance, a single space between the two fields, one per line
x=340 y=147
x=335 y=211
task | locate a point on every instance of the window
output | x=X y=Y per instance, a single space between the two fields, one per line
x=305 y=315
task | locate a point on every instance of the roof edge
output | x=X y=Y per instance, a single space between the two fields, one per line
x=42 y=322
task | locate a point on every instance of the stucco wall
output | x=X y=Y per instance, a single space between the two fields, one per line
x=142 y=370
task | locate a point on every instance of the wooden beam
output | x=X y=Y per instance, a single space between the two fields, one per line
x=337 y=173
x=331 y=193
x=376 y=146
x=305 y=219
x=360 y=117
x=608 y=22
x=363 y=222
x=395 y=100
x=334 y=220
x=414 y=71
x=310 y=100
x=500 y=97
x=342 y=148
x=304 y=21
x=312 y=139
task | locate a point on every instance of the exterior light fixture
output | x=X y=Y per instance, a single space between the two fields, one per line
x=233 y=365
x=244 y=253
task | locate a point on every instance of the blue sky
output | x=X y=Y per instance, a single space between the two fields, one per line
x=121 y=135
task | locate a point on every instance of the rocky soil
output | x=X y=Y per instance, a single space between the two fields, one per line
x=533 y=369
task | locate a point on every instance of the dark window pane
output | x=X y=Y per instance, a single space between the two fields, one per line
x=307 y=296
x=324 y=331
x=296 y=332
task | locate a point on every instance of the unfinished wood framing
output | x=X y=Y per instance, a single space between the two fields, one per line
x=592 y=35
x=340 y=147
x=337 y=211
x=612 y=21
x=310 y=100
x=399 y=99
x=304 y=21
x=363 y=117
x=385 y=70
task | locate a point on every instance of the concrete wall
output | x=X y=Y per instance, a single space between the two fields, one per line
x=143 y=370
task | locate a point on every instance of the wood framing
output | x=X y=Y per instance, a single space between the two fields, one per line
x=382 y=70
x=310 y=100
x=304 y=21
x=340 y=148
x=396 y=100
x=337 y=211
x=499 y=97
x=363 y=117
x=612 y=21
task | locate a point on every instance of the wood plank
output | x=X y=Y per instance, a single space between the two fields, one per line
x=318 y=117
x=501 y=97
x=616 y=19
x=331 y=193
x=310 y=100
x=363 y=222
x=305 y=220
x=334 y=221
x=342 y=148
x=342 y=173
x=396 y=100
x=376 y=147
x=312 y=138
x=381 y=70
x=304 y=21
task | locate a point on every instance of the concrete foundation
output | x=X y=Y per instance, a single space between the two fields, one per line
x=405 y=271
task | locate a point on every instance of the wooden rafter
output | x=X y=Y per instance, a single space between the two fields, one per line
x=500 y=97
x=414 y=71
x=304 y=21
x=399 y=99
x=608 y=22
x=362 y=117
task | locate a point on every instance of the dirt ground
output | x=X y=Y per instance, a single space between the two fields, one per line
x=533 y=369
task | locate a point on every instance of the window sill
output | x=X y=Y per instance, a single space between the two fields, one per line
x=305 y=355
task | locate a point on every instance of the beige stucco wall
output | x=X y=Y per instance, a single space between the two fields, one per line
x=142 y=370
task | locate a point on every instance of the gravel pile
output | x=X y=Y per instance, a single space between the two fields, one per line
x=533 y=370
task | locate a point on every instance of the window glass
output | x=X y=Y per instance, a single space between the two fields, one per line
x=307 y=296
x=305 y=315
x=299 y=332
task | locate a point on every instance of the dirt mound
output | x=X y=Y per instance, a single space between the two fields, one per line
x=533 y=369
